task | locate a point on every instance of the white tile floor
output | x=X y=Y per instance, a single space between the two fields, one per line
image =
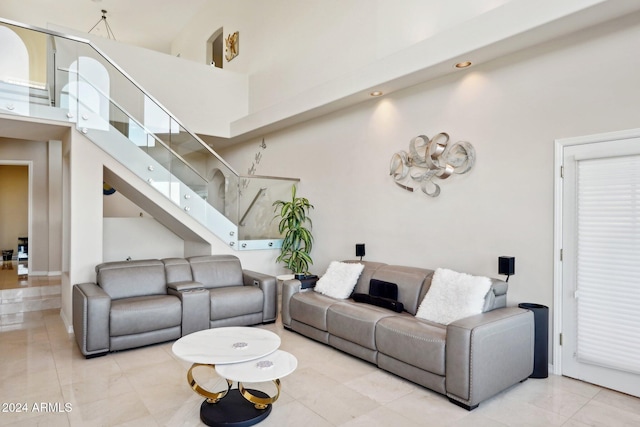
x=40 y=364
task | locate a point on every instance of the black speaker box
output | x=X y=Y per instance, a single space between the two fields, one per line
x=507 y=265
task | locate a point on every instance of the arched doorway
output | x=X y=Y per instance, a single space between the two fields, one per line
x=14 y=71
x=86 y=94
x=215 y=48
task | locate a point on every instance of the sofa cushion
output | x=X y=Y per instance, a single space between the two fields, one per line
x=177 y=270
x=453 y=296
x=144 y=314
x=311 y=308
x=339 y=279
x=125 y=279
x=497 y=296
x=216 y=271
x=233 y=301
x=355 y=322
x=413 y=341
x=410 y=281
x=370 y=267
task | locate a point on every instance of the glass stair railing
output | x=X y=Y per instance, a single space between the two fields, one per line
x=57 y=77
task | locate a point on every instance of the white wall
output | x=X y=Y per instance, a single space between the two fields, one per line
x=118 y=206
x=54 y=218
x=82 y=214
x=511 y=110
x=305 y=43
x=138 y=238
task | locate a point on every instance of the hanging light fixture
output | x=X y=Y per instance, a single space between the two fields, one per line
x=106 y=25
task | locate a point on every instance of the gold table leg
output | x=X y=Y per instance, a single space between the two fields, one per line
x=212 y=397
x=259 y=402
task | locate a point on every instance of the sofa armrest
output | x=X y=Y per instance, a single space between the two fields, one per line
x=487 y=353
x=269 y=288
x=91 y=307
x=289 y=289
x=184 y=286
x=196 y=305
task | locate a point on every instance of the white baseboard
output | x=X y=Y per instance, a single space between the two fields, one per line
x=45 y=273
x=67 y=325
x=38 y=273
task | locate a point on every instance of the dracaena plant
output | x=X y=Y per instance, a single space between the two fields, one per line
x=298 y=240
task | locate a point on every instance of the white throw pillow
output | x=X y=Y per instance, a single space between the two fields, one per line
x=453 y=296
x=339 y=280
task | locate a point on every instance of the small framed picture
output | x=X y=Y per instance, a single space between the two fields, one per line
x=232 y=46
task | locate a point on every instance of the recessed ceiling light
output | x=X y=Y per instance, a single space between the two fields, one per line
x=376 y=93
x=464 y=64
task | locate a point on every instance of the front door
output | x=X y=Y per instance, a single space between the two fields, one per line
x=601 y=260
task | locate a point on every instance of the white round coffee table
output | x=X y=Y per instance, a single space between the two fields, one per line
x=241 y=354
x=226 y=345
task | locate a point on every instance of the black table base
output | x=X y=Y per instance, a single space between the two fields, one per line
x=233 y=411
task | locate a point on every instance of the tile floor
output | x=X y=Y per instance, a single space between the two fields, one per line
x=40 y=364
x=20 y=294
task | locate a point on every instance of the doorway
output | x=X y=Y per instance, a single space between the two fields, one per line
x=14 y=221
x=215 y=49
x=597 y=274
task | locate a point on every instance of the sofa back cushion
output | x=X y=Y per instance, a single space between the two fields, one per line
x=362 y=285
x=177 y=270
x=216 y=271
x=125 y=279
x=497 y=297
x=410 y=281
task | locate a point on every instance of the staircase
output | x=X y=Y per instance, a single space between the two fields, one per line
x=87 y=89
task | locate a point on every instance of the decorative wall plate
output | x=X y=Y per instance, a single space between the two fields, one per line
x=431 y=159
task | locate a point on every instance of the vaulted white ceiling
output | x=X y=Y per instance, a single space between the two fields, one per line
x=152 y=24
x=516 y=25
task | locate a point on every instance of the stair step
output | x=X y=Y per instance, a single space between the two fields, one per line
x=17 y=294
x=30 y=304
x=29 y=299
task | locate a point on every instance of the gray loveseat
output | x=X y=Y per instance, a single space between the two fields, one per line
x=469 y=360
x=137 y=303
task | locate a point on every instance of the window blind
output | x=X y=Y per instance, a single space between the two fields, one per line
x=608 y=262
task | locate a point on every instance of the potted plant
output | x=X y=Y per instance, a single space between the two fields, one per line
x=298 y=239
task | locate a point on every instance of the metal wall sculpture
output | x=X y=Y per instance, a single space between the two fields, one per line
x=429 y=160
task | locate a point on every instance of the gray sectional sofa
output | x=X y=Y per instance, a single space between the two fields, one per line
x=468 y=360
x=137 y=303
